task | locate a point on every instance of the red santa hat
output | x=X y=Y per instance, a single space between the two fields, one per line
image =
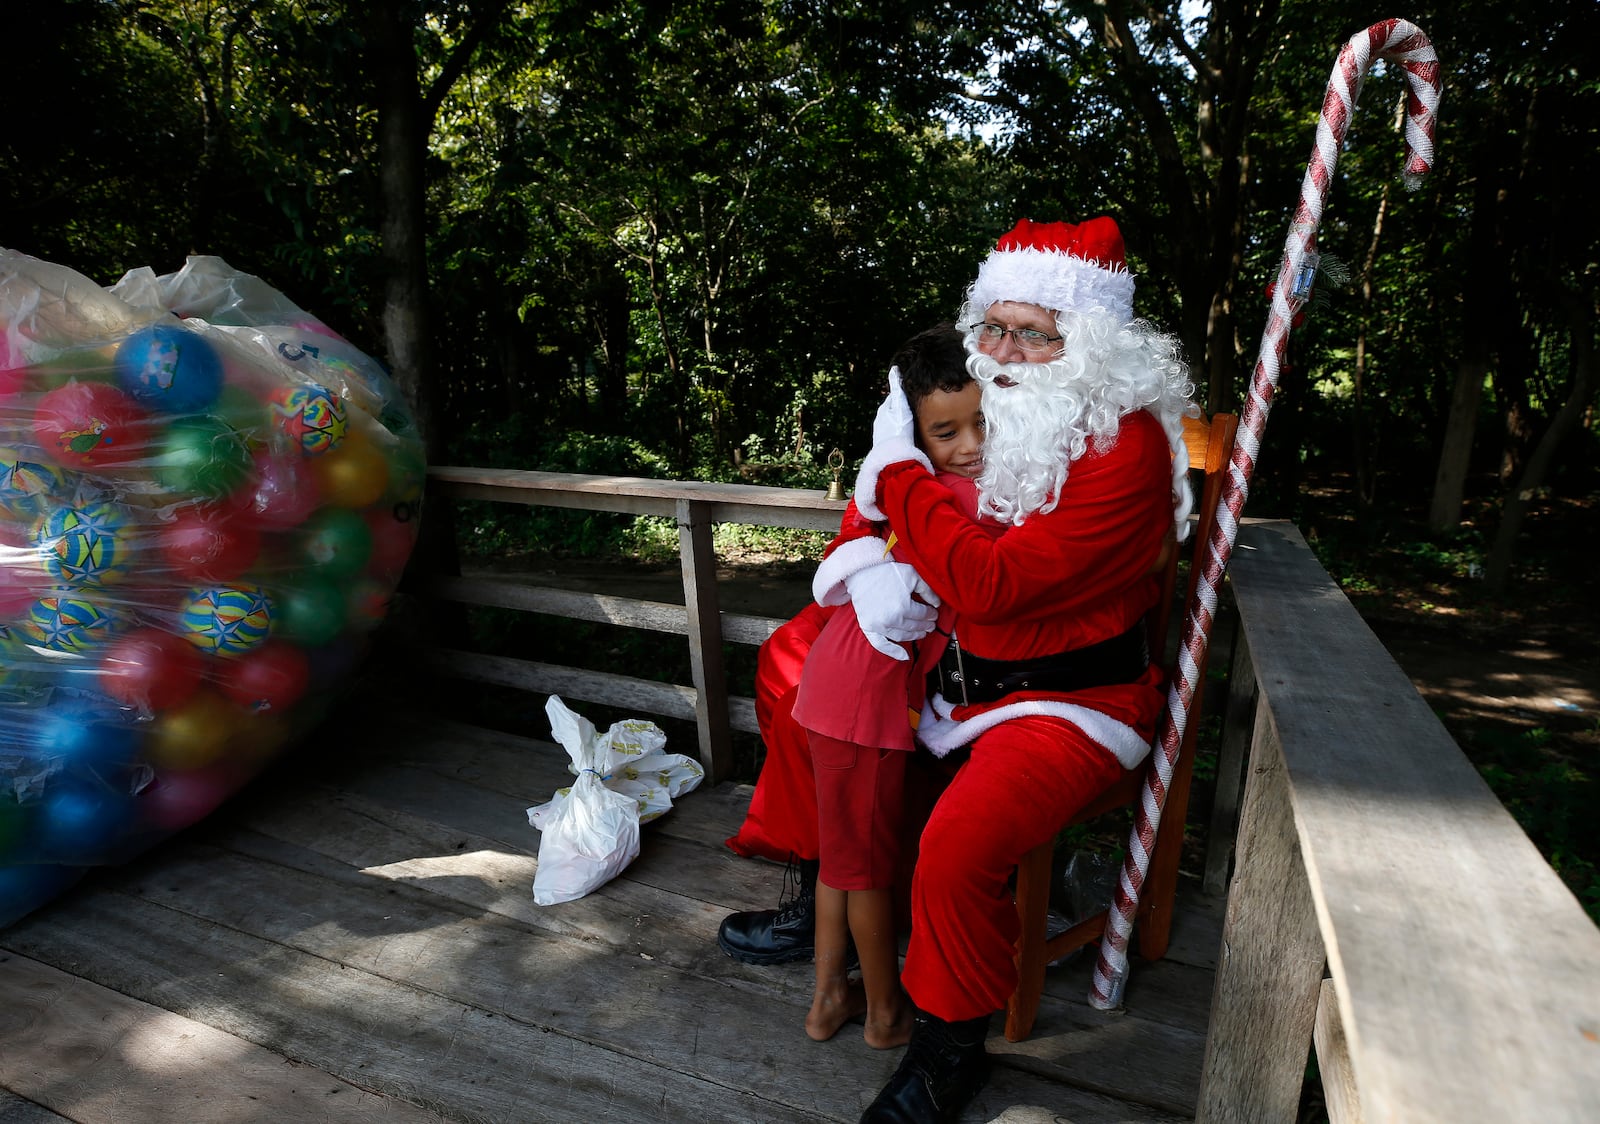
x=1059 y=266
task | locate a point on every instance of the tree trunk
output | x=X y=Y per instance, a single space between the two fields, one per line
x=1581 y=314
x=1455 y=457
x=402 y=143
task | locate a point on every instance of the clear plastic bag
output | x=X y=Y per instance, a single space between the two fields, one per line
x=207 y=496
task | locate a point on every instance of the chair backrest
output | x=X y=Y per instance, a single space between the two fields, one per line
x=1210 y=446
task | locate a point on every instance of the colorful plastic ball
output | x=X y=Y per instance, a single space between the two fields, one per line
x=394 y=534
x=356 y=474
x=82 y=735
x=206 y=543
x=90 y=425
x=13 y=824
x=24 y=888
x=311 y=612
x=22 y=582
x=13 y=368
x=336 y=542
x=150 y=669
x=271 y=678
x=178 y=798
x=192 y=735
x=281 y=493
x=368 y=603
x=202 y=456
x=170 y=368
x=28 y=482
x=226 y=620
x=67 y=624
x=312 y=416
x=84 y=545
x=81 y=821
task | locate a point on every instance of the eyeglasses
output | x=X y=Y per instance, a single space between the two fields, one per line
x=1026 y=339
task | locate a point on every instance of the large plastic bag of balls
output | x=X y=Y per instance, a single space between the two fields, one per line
x=207 y=497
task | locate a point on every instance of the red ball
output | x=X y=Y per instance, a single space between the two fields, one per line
x=151 y=669
x=394 y=533
x=273 y=677
x=282 y=492
x=208 y=544
x=90 y=425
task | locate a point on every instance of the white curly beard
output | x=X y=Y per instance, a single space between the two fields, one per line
x=1037 y=427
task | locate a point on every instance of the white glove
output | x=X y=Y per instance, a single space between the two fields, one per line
x=893 y=440
x=886 y=609
x=894 y=423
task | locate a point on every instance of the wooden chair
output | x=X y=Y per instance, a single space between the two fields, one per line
x=1210 y=445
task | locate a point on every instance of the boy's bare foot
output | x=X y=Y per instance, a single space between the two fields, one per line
x=891 y=1031
x=834 y=1007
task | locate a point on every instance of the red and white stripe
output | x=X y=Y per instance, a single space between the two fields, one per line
x=1403 y=44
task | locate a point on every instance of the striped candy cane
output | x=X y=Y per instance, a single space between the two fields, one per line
x=1405 y=45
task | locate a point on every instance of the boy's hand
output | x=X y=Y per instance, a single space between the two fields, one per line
x=887 y=608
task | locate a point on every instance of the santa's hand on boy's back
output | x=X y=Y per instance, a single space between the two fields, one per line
x=893 y=440
x=892 y=603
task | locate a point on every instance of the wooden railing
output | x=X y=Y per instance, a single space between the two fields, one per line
x=696 y=507
x=1382 y=903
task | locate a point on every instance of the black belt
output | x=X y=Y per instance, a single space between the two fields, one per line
x=966 y=678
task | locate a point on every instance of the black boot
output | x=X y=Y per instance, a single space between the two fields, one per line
x=944 y=1067
x=776 y=936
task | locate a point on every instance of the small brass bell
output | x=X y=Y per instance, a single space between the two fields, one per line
x=836 y=462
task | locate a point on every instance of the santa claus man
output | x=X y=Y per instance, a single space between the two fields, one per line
x=1047 y=678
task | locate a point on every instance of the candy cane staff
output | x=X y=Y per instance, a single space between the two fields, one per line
x=1405 y=45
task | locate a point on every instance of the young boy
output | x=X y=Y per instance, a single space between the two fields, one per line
x=854 y=700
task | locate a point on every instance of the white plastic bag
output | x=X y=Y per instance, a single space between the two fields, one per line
x=590 y=831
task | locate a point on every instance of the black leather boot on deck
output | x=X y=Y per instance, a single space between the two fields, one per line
x=776 y=936
x=944 y=1067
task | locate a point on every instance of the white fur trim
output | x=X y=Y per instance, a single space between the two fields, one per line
x=880 y=457
x=941 y=733
x=1052 y=280
x=827 y=584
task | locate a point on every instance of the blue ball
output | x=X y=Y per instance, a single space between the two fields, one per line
x=170 y=368
x=86 y=737
x=82 y=822
x=24 y=889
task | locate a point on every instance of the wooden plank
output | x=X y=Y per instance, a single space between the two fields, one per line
x=726 y=503
x=705 y=639
x=1339 y=1093
x=1266 y=987
x=625 y=612
x=98 y=1057
x=1468 y=976
x=388 y=995
x=670 y=700
x=18 y=1110
x=1238 y=721
x=392 y=969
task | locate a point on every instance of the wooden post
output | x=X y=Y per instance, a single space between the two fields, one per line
x=705 y=639
x=1333 y=1060
x=1269 y=969
x=1237 y=721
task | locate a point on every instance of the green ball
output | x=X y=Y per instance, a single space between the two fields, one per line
x=201 y=455
x=311 y=612
x=336 y=542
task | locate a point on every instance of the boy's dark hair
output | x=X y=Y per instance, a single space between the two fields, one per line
x=933 y=359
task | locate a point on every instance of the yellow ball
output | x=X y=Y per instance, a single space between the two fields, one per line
x=194 y=734
x=354 y=474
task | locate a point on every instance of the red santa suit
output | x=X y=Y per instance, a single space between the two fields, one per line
x=1062 y=580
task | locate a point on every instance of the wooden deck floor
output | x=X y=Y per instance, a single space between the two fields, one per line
x=354 y=938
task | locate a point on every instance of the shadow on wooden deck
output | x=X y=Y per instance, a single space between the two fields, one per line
x=354 y=938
